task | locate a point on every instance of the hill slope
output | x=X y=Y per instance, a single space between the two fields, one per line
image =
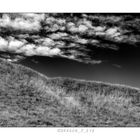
x=28 y=98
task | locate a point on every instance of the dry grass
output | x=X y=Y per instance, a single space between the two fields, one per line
x=28 y=98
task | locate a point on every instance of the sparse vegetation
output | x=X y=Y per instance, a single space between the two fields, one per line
x=28 y=98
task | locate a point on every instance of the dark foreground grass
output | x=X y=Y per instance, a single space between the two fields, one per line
x=30 y=99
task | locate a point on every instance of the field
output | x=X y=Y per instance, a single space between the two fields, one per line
x=30 y=99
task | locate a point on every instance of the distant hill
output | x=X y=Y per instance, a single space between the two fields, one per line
x=30 y=99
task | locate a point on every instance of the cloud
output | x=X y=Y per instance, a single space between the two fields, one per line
x=46 y=51
x=3 y=44
x=27 y=50
x=22 y=47
x=14 y=45
x=71 y=36
x=34 y=16
x=20 y=23
x=82 y=28
x=117 y=66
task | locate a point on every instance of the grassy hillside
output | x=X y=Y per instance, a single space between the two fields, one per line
x=28 y=98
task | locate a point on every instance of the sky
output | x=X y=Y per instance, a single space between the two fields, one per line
x=103 y=47
x=124 y=69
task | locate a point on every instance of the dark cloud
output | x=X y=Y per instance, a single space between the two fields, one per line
x=74 y=36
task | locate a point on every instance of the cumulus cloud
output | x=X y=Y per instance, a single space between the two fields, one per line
x=22 y=47
x=20 y=23
x=14 y=45
x=27 y=50
x=71 y=36
x=3 y=44
x=46 y=51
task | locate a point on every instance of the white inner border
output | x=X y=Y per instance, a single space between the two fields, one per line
x=91 y=6
x=70 y=6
